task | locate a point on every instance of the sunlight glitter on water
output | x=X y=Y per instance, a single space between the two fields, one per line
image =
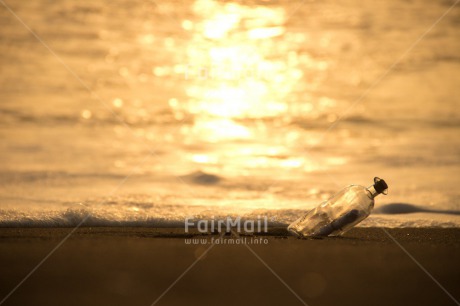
x=242 y=70
x=236 y=68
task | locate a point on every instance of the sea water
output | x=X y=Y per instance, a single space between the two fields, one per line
x=140 y=113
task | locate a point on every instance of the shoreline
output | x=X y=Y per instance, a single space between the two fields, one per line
x=445 y=235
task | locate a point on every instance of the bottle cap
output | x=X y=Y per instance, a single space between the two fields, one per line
x=380 y=185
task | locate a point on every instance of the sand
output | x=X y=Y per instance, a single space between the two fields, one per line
x=135 y=266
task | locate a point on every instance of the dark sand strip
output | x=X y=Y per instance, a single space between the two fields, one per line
x=134 y=266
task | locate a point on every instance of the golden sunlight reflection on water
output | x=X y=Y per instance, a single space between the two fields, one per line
x=242 y=68
x=234 y=75
x=235 y=66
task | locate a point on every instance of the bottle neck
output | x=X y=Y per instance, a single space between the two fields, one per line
x=372 y=192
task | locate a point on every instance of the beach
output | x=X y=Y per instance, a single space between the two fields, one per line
x=135 y=266
x=123 y=121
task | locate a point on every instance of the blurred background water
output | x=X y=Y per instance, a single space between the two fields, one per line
x=226 y=107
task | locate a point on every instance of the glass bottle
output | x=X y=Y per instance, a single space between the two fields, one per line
x=340 y=213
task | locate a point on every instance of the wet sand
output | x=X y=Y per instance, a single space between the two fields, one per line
x=135 y=266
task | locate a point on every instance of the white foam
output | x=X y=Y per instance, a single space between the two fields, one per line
x=174 y=216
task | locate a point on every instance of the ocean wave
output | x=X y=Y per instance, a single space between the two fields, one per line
x=175 y=216
x=82 y=217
